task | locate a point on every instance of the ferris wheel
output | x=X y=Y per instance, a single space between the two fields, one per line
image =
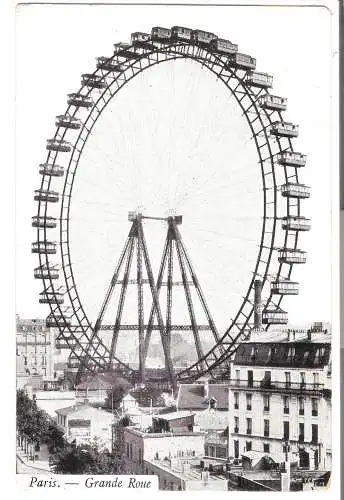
x=93 y=341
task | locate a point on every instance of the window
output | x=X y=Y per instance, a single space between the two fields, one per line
x=25 y=361
x=127 y=449
x=131 y=451
x=250 y=378
x=249 y=426
x=287 y=379
x=316 y=380
x=301 y=406
x=286 y=430
x=291 y=354
x=140 y=456
x=301 y=432
x=266 y=447
x=314 y=407
x=314 y=433
x=266 y=382
x=237 y=375
x=266 y=428
x=236 y=401
x=236 y=449
x=236 y=424
x=266 y=402
x=248 y=445
x=248 y=401
x=302 y=379
x=285 y=404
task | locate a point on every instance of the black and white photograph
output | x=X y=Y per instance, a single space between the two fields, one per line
x=176 y=233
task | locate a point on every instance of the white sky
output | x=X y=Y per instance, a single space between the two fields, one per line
x=183 y=132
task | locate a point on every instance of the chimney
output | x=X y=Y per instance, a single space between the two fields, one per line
x=257 y=305
x=206 y=388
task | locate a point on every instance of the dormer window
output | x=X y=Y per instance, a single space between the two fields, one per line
x=212 y=403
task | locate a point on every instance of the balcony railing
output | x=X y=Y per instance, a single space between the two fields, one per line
x=277 y=386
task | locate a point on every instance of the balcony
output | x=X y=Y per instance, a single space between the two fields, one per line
x=283 y=387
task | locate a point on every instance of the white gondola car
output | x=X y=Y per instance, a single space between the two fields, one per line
x=274 y=317
x=138 y=38
x=202 y=37
x=108 y=64
x=295 y=223
x=223 y=46
x=273 y=102
x=43 y=247
x=93 y=81
x=46 y=272
x=79 y=100
x=51 y=169
x=285 y=287
x=292 y=158
x=68 y=121
x=261 y=80
x=42 y=221
x=294 y=190
x=51 y=298
x=242 y=61
x=181 y=33
x=284 y=129
x=291 y=256
x=46 y=195
x=161 y=34
x=58 y=145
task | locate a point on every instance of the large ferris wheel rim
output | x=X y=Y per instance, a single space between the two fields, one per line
x=204 y=60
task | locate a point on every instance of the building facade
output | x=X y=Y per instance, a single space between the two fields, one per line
x=35 y=348
x=84 y=424
x=280 y=397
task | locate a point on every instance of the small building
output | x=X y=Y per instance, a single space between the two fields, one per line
x=176 y=422
x=84 y=424
x=140 y=446
x=97 y=388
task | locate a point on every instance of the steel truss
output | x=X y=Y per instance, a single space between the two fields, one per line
x=84 y=341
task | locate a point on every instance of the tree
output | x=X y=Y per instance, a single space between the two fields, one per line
x=31 y=422
x=85 y=459
x=115 y=396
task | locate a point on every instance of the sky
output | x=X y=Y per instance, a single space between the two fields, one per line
x=174 y=140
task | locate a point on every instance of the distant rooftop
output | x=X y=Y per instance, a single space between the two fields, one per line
x=175 y=415
x=194 y=397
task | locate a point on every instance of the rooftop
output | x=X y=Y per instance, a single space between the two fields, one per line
x=192 y=396
x=190 y=472
x=175 y=415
